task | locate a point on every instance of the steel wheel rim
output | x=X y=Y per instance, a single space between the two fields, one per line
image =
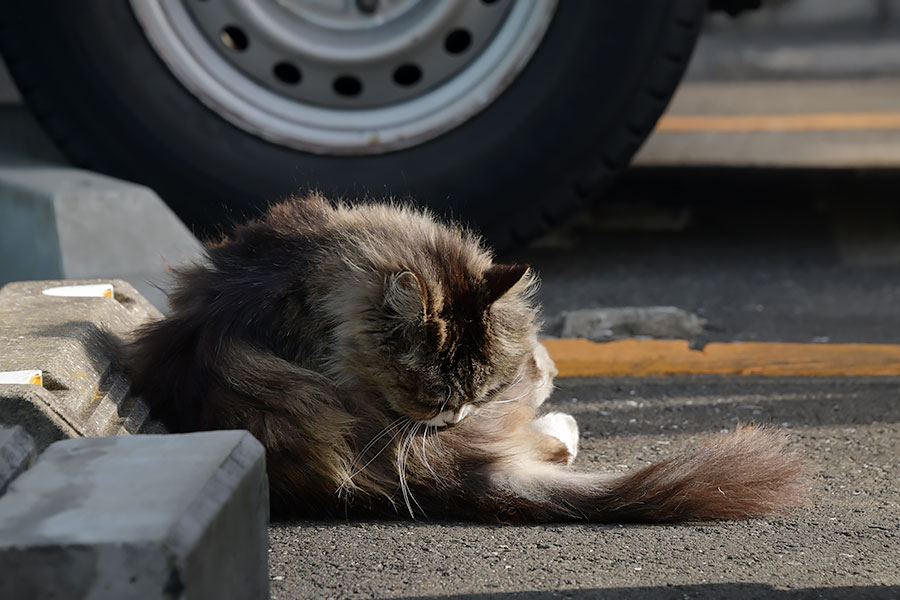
x=211 y=56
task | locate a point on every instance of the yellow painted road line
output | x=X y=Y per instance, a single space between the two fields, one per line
x=880 y=121
x=649 y=358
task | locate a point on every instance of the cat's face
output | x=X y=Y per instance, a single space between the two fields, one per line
x=454 y=343
x=532 y=385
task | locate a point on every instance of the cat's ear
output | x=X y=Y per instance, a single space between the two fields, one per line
x=501 y=278
x=405 y=295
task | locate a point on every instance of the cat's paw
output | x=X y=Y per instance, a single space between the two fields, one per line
x=561 y=426
x=544 y=370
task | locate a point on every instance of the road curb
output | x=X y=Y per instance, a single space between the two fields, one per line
x=61 y=222
x=17 y=452
x=155 y=516
x=70 y=341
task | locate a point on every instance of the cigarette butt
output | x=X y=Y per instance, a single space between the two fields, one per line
x=28 y=376
x=93 y=290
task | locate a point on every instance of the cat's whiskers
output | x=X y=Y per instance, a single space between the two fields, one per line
x=405 y=447
x=436 y=436
x=520 y=375
x=493 y=408
x=446 y=401
x=507 y=400
x=401 y=472
x=425 y=454
x=400 y=461
x=349 y=479
x=380 y=435
x=408 y=495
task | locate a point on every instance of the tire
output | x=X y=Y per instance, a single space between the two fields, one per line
x=571 y=118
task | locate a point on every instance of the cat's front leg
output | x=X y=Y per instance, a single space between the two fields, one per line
x=561 y=426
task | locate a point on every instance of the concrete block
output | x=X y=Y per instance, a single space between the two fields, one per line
x=603 y=324
x=35 y=410
x=59 y=222
x=82 y=391
x=17 y=452
x=174 y=516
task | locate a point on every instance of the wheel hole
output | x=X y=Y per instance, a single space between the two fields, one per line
x=234 y=37
x=347 y=85
x=287 y=73
x=367 y=7
x=458 y=41
x=407 y=75
x=489 y=1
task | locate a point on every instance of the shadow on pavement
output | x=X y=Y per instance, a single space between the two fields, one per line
x=741 y=591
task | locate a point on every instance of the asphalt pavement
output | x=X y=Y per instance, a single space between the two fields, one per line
x=776 y=255
x=844 y=545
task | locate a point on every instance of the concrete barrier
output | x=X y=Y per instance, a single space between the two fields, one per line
x=17 y=452
x=80 y=391
x=155 y=516
x=61 y=222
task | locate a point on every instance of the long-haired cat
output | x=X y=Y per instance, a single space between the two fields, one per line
x=389 y=366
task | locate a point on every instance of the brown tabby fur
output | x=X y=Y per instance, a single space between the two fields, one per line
x=333 y=333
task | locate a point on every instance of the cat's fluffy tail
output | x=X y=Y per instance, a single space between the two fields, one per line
x=742 y=474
